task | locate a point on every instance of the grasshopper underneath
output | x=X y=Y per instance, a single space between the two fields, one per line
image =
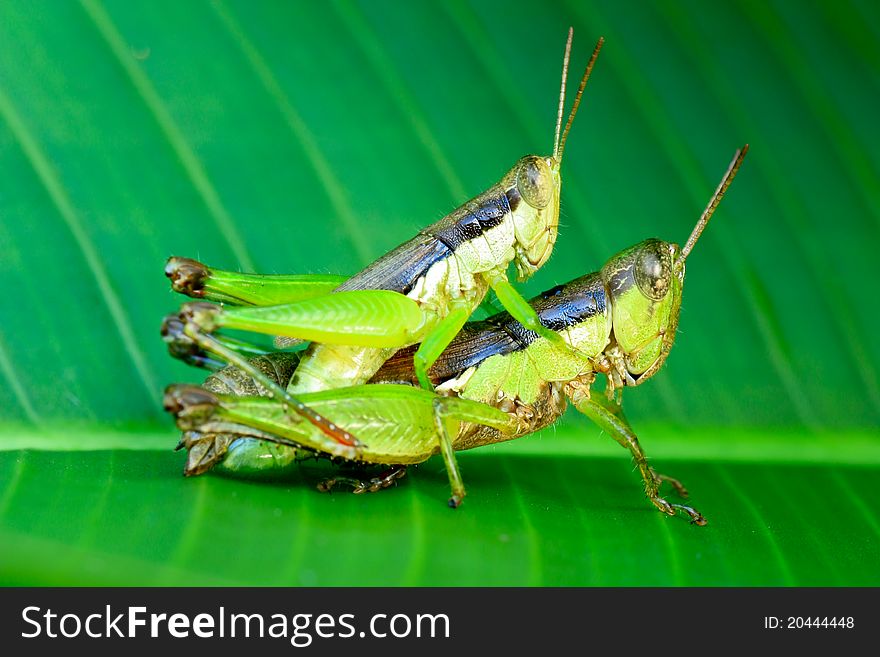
x=497 y=380
x=421 y=292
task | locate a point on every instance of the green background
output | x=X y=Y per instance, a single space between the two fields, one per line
x=313 y=137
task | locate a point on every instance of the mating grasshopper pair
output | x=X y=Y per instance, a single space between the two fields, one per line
x=394 y=374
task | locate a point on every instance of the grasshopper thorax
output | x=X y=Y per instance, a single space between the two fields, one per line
x=532 y=188
x=643 y=285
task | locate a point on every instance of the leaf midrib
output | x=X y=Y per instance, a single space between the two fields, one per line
x=843 y=447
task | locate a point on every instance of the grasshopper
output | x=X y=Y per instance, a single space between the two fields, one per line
x=497 y=380
x=421 y=292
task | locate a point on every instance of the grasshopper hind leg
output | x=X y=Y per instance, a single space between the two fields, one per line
x=194 y=325
x=198 y=281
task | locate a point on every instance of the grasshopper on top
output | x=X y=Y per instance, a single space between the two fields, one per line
x=496 y=381
x=421 y=292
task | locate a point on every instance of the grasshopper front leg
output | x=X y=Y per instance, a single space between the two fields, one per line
x=512 y=301
x=520 y=309
x=609 y=416
x=434 y=344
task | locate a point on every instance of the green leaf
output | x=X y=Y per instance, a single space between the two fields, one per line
x=313 y=137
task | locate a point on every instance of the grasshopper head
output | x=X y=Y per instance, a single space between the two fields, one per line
x=532 y=188
x=644 y=285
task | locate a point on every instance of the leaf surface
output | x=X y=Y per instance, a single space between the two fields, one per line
x=312 y=138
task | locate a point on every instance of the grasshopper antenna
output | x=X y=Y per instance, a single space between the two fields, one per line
x=559 y=145
x=559 y=112
x=728 y=177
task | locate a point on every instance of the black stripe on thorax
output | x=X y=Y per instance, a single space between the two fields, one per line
x=558 y=308
x=399 y=269
x=562 y=307
x=568 y=305
x=471 y=220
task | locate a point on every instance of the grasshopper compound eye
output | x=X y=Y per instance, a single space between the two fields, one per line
x=653 y=269
x=534 y=182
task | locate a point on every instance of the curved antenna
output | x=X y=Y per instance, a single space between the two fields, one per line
x=557 y=152
x=565 y=59
x=728 y=177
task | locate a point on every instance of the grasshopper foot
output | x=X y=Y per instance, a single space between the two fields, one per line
x=183 y=347
x=187 y=276
x=192 y=407
x=371 y=485
x=180 y=345
x=668 y=508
